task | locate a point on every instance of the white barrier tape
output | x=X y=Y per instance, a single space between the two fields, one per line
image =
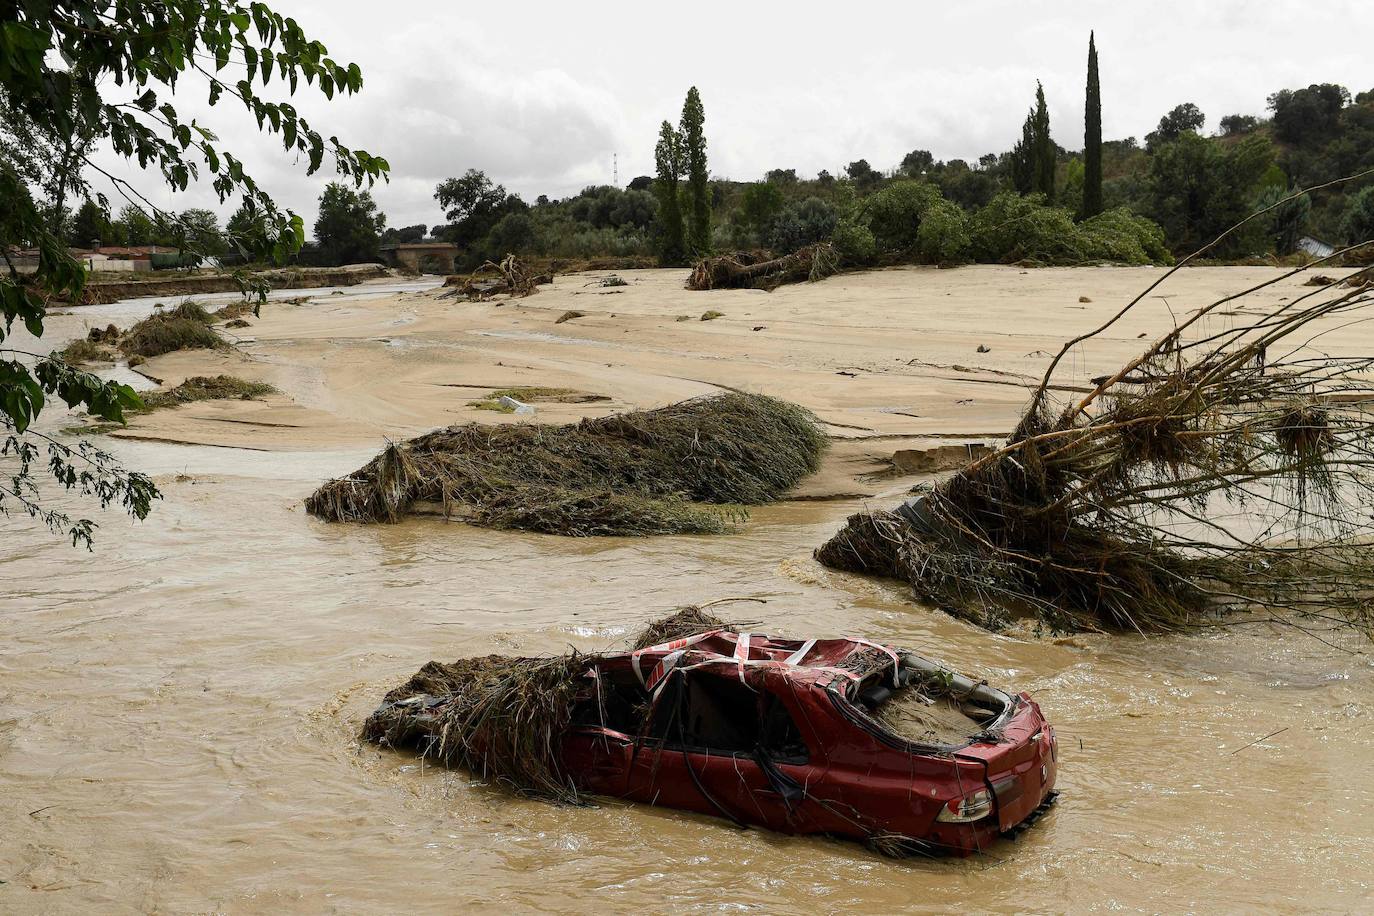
x=796 y=657
x=742 y=653
x=663 y=669
x=666 y=647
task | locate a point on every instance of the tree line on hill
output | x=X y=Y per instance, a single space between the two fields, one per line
x=1124 y=201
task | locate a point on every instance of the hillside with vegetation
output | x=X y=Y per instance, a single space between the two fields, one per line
x=1128 y=201
x=1057 y=196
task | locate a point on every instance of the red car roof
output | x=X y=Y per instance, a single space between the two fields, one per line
x=810 y=663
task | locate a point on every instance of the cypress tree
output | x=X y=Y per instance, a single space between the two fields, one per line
x=668 y=158
x=698 y=194
x=1042 y=149
x=1022 y=164
x=1092 y=138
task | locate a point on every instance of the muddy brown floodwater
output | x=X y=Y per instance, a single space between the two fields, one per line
x=179 y=712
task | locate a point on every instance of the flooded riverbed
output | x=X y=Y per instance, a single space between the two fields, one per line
x=179 y=711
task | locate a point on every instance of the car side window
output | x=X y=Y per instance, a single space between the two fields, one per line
x=780 y=737
x=709 y=713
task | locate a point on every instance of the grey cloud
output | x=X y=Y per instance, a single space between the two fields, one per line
x=541 y=95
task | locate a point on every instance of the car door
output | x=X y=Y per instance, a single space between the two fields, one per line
x=722 y=748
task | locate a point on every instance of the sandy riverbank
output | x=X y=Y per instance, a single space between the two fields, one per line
x=889 y=360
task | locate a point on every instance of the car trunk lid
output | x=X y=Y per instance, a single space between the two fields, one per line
x=1020 y=766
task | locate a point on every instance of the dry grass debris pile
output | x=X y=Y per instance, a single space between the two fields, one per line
x=688 y=468
x=207 y=388
x=504 y=717
x=186 y=327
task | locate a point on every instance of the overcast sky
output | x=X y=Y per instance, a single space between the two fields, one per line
x=540 y=95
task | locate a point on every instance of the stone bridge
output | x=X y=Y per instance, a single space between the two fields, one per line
x=422 y=257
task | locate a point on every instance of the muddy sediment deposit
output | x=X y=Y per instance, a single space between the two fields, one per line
x=180 y=710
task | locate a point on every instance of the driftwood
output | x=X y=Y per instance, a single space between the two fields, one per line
x=743 y=271
x=513 y=277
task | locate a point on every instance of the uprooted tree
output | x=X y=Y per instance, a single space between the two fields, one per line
x=78 y=72
x=1227 y=467
x=743 y=270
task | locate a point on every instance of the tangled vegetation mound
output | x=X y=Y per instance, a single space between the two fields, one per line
x=1226 y=468
x=504 y=717
x=746 y=271
x=186 y=327
x=84 y=350
x=207 y=388
x=498 y=398
x=683 y=622
x=686 y=468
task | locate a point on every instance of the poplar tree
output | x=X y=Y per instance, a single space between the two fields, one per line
x=694 y=154
x=668 y=156
x=1092 y=138
x=1042 y=150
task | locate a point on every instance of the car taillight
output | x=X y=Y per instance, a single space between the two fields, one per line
x=969 y=808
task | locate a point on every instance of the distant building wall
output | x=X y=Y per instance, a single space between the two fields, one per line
x=119 y=265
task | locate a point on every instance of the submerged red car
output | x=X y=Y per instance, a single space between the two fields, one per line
x=830 y=736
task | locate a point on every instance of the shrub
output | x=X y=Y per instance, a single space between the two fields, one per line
x=798 y=225
x=1358 y=224
x=514 y=234
x=854 y=242
x=1015 y=228
x=894 y=213
x=943 y=237
x=1124 y=237
x=760 y=204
